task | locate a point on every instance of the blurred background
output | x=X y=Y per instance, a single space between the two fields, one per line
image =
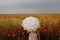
x=11 y=29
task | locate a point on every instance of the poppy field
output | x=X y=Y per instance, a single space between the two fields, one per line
x=11 y=28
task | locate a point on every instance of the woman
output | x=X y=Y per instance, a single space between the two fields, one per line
x=31 y=24
x=34 y=35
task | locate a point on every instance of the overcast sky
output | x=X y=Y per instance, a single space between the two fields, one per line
x=29 y=6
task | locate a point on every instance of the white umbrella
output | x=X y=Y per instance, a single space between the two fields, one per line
x=31 y=24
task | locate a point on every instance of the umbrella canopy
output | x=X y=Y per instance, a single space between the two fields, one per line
x=30 y=24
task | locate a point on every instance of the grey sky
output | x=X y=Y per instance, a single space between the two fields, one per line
x=29 y=6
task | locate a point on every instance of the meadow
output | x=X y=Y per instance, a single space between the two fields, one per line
x=11 y=28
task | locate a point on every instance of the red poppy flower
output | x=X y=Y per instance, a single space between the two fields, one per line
x=13 y=35
x=45 y=30
x=8 y=35
x=23 y=33
x=18 y=31
x=59 y=31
